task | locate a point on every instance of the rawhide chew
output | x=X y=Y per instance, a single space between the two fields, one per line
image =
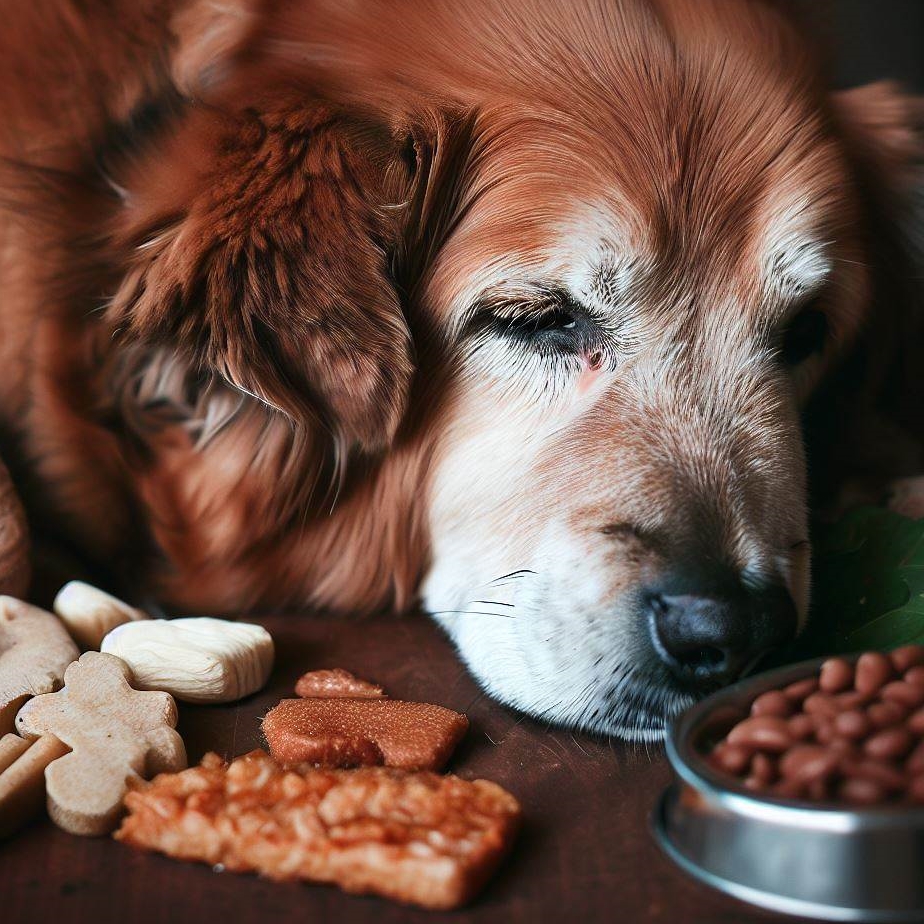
x=22 y=777
x=336 y=682
x=417 y=838
x=196 y=659
x=338 y=732
x=35 y=649
x=115 y=734
x=90 y=613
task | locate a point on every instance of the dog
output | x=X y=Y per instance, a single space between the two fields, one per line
x=512 y=309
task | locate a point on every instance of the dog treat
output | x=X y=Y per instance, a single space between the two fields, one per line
x=22 y=777
x=196 y=659
x=90 y=613
x=114 y=733
x=339 y=732
x=15 y=566
x=854 y=733
x=35 y=649
x=336 y=683
x=417 y=838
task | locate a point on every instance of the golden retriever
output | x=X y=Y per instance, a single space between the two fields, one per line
x=511 y=308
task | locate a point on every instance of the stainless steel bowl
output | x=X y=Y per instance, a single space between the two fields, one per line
x=817 y=860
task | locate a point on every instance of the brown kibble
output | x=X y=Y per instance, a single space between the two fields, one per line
x=808 y=763
x=763 y=768
x=824 y=729
x=731 y=759
x=877 y=771
x=852 y=699
x=842 y=746
x=790 y=788
x=916 y=790
x=420 y=838
x=341 y=732
x=836 y=675
x=916 y=723
x=852 y=724
x=765 y=732
x=888 y=744
x=873 y=670
x=915 y=760
x=773 y=702
x=819 y=790
x=336 y=683
x=849 y=734
x=906 y=694
x=861 y=792
x=884 y=715
x=801 y=688
x=906 y=657
x=801 y=726
x=821 y=704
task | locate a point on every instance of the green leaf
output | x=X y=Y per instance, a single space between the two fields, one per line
x=868 y=584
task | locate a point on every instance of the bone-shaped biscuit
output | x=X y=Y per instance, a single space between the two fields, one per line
x=114 y=732
x=35 y=649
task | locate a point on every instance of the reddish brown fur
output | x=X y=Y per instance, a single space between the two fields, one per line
x=249 y=254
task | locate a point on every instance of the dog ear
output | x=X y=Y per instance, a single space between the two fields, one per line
x=258 y=245
x=883 y=127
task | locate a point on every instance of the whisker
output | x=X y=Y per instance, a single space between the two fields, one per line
x=470 y=613
x=520 y=572
x=493 y=603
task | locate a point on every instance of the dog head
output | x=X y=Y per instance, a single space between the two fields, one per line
x=627 y=243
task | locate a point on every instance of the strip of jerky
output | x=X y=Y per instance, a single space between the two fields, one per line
x=418 y=838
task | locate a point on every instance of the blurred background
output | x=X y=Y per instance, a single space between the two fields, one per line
x=872 y=39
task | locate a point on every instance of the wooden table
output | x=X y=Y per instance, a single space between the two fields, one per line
x=584 y=854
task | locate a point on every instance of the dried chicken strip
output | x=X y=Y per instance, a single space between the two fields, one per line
x=417 y=838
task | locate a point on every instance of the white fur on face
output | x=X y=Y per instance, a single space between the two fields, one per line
x=543 y=608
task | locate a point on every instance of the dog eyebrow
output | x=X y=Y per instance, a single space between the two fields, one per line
x=796 y=259
x=797 y=267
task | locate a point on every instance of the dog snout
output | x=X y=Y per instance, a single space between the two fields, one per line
x=710 y=637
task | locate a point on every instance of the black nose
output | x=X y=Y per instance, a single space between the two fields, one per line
x=710 y=639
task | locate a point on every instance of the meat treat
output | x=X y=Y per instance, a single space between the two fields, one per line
x=854 y=734
x=339 y=732
x=415 y=837
x=336 y=683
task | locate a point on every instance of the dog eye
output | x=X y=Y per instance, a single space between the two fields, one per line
x=805 y=336
x=535 y=323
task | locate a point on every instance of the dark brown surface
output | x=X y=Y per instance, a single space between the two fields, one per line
x=584 y=854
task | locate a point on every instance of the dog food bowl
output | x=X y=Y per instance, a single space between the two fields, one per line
x=819 y=860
